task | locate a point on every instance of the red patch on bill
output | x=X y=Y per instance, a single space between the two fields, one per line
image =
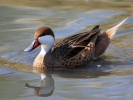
x=36 y=43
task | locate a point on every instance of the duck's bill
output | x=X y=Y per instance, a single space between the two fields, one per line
x=34 y=44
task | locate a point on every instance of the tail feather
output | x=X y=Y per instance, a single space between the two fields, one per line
x=111 y=32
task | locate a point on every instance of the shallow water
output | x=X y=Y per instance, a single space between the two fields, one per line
x=18 y=21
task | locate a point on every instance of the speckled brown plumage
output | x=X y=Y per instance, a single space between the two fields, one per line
x=72 y=51
x=64 y=56
x=39 y=62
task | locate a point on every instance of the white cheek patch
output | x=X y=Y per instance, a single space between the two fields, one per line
x=47 y=42
x=47 y=39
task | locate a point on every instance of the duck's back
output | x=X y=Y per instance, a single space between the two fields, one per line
x=75 y=50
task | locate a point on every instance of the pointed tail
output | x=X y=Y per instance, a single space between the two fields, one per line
x=111 y=32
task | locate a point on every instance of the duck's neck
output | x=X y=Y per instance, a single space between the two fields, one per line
x=44 y=50
x=39 y=60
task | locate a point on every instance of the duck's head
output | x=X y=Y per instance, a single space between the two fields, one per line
x=43 y=36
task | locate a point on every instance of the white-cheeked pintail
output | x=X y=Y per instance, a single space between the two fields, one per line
x=71 y=52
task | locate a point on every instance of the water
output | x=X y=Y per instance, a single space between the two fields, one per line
x=18 y=22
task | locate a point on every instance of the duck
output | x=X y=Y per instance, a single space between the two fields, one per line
x=73 y=51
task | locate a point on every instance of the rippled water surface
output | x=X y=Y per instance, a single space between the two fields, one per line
x=108 y=78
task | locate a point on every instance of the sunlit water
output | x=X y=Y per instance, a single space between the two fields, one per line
x=108 y=78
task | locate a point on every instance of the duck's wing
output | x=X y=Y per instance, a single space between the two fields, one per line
x=72 y=45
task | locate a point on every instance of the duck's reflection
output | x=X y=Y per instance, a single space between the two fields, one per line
x=46 y=87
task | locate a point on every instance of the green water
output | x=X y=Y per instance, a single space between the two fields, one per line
x=18 y=22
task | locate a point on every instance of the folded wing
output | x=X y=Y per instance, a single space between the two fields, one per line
x=72 y=45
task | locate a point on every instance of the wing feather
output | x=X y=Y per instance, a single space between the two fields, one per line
x=72 y=45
